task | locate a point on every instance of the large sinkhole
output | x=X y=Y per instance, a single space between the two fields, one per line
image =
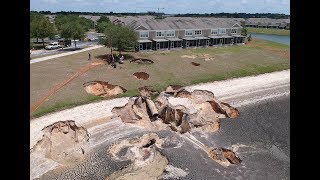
x=63 y=141
x=103 y=89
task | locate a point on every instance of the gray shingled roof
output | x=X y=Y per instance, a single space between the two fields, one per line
x=266 y=21
x=93 y=18
x=150 y=23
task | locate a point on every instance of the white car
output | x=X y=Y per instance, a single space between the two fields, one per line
x=53 y=45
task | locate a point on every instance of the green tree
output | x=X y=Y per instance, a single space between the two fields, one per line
x=120 y=37
x=72 y=30
x=101 y=27
x=40 y=27
x=103 y=19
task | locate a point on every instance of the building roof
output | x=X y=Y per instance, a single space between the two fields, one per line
x=168 y=23
x=143 y=41
x=238 y=35
x=266 y=21
x=160 y=40
x=201 y=37
x=93 y=18
x=174 y=39
x=189 y=38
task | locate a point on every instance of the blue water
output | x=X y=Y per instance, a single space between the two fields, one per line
x=271 y=37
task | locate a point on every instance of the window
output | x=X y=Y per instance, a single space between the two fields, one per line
x=189 y=33
x=160 y=34
x=144 y=34
x=170 y=33
x=197 y=32
x=214 y=31
x=233 y=31
x=222 y=31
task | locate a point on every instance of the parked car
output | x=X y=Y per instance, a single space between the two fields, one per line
x=53 y=45
x=64 y=42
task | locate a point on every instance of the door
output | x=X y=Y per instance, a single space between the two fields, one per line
x=140 y=47
x=208 y=42
x=187 y=43
x=172 y=44
x=231 y=41
x=221 y=41
x=158 y=45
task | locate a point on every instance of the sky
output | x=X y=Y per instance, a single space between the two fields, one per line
x=169 y=6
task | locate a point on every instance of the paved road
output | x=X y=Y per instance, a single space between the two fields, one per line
x=63 y=54
x=261 y=133
x=80 y=44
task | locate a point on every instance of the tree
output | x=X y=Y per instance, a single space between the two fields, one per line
x=101 y=27
x=244 y=31
x=72 y=30
x=120 y=37
x=103 y=19
x=40 y=27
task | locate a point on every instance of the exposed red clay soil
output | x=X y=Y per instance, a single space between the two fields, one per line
x=63 y=141
x=103 y=89
x=195 y=64
x=142 y=61
x=147 y=91
x=141 y=75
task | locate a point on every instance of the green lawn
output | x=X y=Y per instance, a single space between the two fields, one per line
x=169 y=67
x=283 y=32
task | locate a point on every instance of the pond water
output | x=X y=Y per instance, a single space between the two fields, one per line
x=271 y=37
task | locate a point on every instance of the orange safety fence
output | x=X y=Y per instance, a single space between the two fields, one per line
x=60 y=85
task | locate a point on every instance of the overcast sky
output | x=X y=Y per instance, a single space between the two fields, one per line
x=170 y=6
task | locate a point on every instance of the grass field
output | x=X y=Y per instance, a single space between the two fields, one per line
x=268 y=31
x=169 y=67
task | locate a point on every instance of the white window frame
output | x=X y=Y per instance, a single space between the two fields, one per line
x=194 y=32
x=236 y=29
x=162 y=33
x=188 y=31
x=140 y=32
x=214 y=30
x=225 y=31
x=171 y=33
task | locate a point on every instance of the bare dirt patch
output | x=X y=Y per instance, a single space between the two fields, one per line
x=147 y=161
x=206 y=57
x=147 y=91
x=224 y=157
x=63 y=141
x=103 y=89
x=195 y=64
x=141 y=61
x=171 y=89
x=141 y=75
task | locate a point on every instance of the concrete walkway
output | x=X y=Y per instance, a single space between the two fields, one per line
x=64 y=54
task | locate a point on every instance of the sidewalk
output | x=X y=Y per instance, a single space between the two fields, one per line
x=63 y=54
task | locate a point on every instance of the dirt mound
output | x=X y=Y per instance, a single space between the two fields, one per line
x=141 y=61
x=63 y=141
x=171 y=89
x=195 y=64
x=182 y=111
x=103 y=89
x=147 y=161
x=224 y=157
x=147 y=91
x=141 y=75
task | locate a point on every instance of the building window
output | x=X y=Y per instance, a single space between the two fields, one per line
x=214 y=31
x=222 y=31
x=160 y=34
x=144 y=34
x=170 y=33
x=189 y=33
x=233 y=31
x=197 y=32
